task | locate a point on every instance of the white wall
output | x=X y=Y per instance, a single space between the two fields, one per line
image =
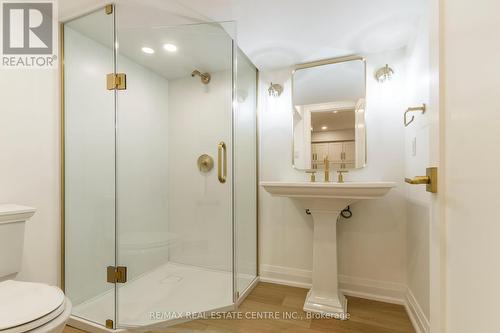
x=470 y=77
x=142 y=169
x=372 y=245
x=29 y=164
x=199 y=205
x=90 y=167
x=140 y=193
x=418 y=156
x=200 y=213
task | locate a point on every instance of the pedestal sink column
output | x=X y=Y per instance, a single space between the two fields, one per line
x=325 y=201
x=325 y=296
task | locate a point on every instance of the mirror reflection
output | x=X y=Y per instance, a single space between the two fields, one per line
x=329 y=114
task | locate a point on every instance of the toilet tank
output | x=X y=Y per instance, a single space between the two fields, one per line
x=12 y=221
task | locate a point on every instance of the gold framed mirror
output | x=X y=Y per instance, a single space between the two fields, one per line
x=328 y=116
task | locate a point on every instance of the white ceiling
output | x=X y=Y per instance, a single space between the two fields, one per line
x=333 y=121
x=205 y=47
x=343 y=81
x=280 y=33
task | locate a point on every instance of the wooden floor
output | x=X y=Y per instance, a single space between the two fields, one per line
x=365 y=316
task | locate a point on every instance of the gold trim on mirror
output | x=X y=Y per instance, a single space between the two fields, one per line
x=328 y=62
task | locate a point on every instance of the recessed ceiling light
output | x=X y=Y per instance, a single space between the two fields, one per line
x=169 y=47
x=324 y=127
x=147 y=50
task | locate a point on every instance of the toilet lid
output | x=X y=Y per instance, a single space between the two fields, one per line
x=24 y=302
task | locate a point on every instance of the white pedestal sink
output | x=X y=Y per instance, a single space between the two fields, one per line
x=325 y=201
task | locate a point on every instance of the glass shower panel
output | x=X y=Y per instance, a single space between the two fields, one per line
x=89 y=158
x=245 y=172
x=174 y=181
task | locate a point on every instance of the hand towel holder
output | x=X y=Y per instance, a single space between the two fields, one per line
x=422 y=109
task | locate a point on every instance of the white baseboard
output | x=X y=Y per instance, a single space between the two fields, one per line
x=365 y=288
x=418 y=318
x=389 y=292
x=284 y=275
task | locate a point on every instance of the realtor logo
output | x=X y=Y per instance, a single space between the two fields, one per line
x=28 y=33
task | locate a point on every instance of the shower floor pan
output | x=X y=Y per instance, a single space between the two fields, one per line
x=166 y=293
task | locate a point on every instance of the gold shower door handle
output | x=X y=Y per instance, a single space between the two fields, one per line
x=222 y=162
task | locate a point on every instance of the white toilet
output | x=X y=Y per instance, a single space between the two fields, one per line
x=25 y=306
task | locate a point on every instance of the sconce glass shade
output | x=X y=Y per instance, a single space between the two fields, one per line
x=383 y=74
x=275 y=90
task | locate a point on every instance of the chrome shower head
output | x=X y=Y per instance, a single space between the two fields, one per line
x=205 y=77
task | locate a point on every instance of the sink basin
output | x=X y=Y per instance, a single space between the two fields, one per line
x=350 y=190
x=325 y=201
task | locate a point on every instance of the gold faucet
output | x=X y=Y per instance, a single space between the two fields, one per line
x=313 y=175
x=341 y=175
x=327 y=168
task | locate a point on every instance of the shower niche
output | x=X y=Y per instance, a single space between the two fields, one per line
x=146 y=230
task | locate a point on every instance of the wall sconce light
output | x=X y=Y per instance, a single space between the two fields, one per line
x=275 y=90
x=383 y=74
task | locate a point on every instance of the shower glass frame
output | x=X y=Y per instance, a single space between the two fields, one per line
x=237 y=294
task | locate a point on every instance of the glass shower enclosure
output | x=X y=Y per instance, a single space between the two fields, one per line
x=160 y=167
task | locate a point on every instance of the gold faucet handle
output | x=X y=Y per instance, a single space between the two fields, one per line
x=341 y=175
x=313 y=175
x=326 y=166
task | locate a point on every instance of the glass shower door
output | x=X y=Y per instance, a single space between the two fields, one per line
x=174 y=162
x=89 y=165
x=245 y=173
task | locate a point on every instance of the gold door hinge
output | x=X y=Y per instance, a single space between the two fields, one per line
x=117 y=274
x=116 y=81
x=108 y=9
x=109 y=324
